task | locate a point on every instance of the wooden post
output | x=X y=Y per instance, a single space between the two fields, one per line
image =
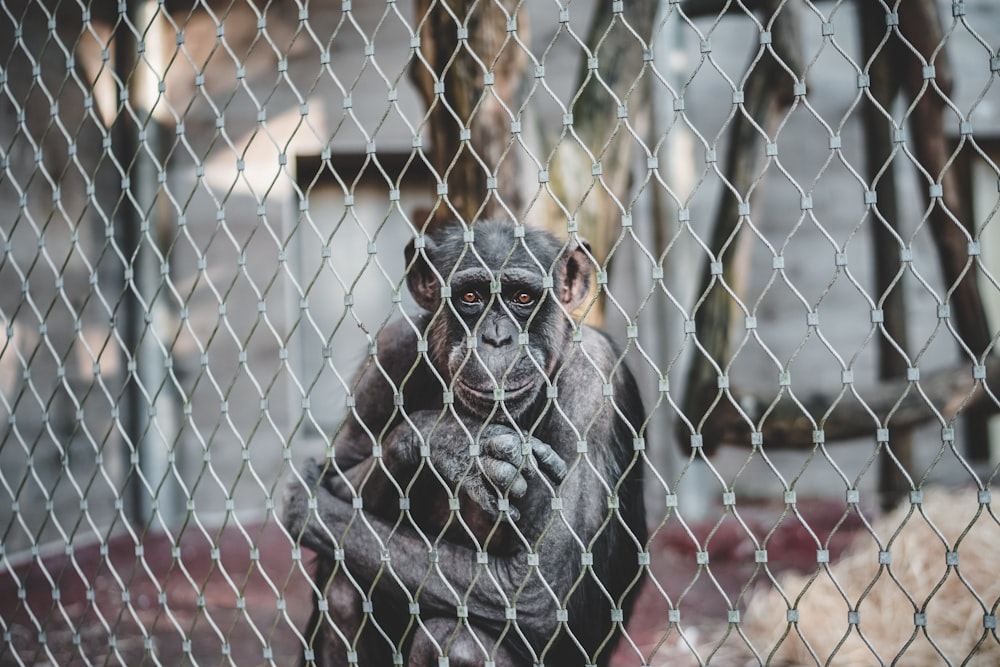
x=597 y=198
x=881 y=55
x=920 y=25
x=764 y=97
x=960 y=390
x=469 y=62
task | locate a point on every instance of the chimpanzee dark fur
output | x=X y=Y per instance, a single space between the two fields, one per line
x=485 y=499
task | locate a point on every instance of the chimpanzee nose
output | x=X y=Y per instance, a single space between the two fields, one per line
x=497 y=333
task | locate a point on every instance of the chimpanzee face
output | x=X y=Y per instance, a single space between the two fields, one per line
x=500 y=318
x=502 y=324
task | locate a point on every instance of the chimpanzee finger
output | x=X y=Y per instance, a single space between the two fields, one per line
x=477 y=491
x=320 y=475
x=312 y=473
x=481 y=493
x=504 y=447
x=503 y=476
x=549 y=462
x=486 y=497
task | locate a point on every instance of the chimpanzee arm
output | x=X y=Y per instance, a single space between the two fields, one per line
x=440 y=575
x=486 y=462
x=374 y=414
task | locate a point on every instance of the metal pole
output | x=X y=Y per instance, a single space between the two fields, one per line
x=149 y=405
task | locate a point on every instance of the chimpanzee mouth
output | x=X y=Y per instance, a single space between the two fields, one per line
x=488 y=393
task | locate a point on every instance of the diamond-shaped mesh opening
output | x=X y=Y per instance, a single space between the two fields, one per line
x=252 y=411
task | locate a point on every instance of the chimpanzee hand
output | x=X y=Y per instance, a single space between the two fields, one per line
x=497 y=466
x=505 y=462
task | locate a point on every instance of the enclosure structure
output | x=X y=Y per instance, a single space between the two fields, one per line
x=791 y=207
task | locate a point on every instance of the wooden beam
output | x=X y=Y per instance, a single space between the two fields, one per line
x=898 y=405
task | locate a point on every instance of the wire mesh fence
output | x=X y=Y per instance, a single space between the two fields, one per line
x=216 y=212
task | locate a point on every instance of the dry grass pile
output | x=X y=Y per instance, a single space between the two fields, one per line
x=915 y=607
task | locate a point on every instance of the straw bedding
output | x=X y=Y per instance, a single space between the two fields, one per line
x=914 y=608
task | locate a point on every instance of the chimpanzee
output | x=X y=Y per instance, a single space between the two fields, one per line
x=484 y=498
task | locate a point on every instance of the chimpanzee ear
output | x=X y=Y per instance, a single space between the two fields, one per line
x=420 y=278
x=575 y=283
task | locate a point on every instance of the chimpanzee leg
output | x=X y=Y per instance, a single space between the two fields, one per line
x=340 y=631
x=458 y=644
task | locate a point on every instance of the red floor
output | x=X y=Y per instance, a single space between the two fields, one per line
x=238 y=608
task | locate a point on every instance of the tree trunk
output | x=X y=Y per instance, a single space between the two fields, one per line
x=590 y=165
x=764 y=97
x=470 y=63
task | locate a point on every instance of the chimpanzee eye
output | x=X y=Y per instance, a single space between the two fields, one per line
x=470 y=297
x=524 y=299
